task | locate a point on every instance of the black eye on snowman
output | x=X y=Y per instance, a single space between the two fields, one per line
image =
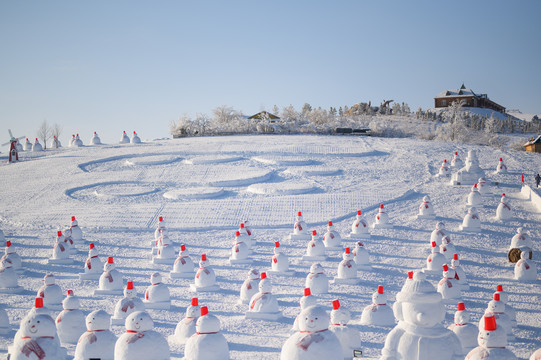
x=38 y=321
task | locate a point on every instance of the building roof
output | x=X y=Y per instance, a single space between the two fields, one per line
x=534 y=141
x=264 y=115
x=458 y=93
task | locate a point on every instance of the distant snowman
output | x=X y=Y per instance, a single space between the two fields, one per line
x=460 y=274
x=27 y=145
x=509 y=310
x=492 y=342
x=135 y=139
x=474 y=197
x=166 y=251
x=359 y=228
x=525 y=269
x=205 y=278
x=444 y=170
x=95 y=139
x=111 y=281
x=378 y=313
x=263 y=305
x=503 y=211
x=140 y=341
x=447 y=248
x=361 y=256
x=463 y=329
x=347 y=269
x=240 y=253
x=208 y=343
x=300 y=229
x=501 y=168
x=280 y=262
x=11 y=255
x=61 y=254
x=349 y=336
x=70 y=323
x=482 y=186
x=93 y=265
x=316 y=280
x=471 y=222
x=9 y=283
x=76 y=232
x=157 y=295
x=332 y=239
x=186 y=327
x=51 y=293
x=315 y=249
x=124 y=139
x=36 y=147
x=183 y=267
x=249 y=287
x=438 y=233
x=382 y=219
x=521 y=239
x=457 y=162
x=98 y=342
x=313 y=341
x=426 y=209
x=448 y=286
x=307 y=300
x=128 y=304
x=434 y=261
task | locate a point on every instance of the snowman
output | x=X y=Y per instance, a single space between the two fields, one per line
x=525 y=269
x=349 y=336
x=72 y=246
x=50 y=292
x=397 y=306
x=359 y=228
x=208 y=343
x=521 y=239
x=307 y=300
x=128 y=304
x=78 y=142
x=316 y=280
x=76 y=232
x=438 y=233
x=457 y=162
x=313 y=341
x=434 y=261
x=447 y=248
x=140 y=341
x=315 y=250
x=98 y=342
x=95 y=139
x=5 y=326
x=8 y=278
x=186 y=327
x=332 y=239
x=347 y=269
x=157 y=294
x=426 y=210
x=378 y=313
x=300 y=230
x=482 y=186
x=263 y=305
x=124 y=139
x=205 y=279
x=501 y=168
x=460 y=275
x=474 y=198
x=444 y=170
x=93 y=265
x=111 y=281
x=240 y=252
x=420 y=335
x=492 y=342
x=249 y=287
x=27 y=145
x=503 y=211
x=61 y=253
x=38 y=340
x=166 y=251
x=448 y=286
x=382 y=219
x=246 y=234
x=159 y=229
x=504 y=297
x=135 y=139
x=463 y=329
x=471 y=222
x=70 y=323
x=497 y=308
x=536 y=355
x=11 y=255
x=361 y=256
x=36 y=146
x=183 y=266
x=280 y=262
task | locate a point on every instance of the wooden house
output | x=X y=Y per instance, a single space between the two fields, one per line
x=264 y=115
x=533 y=145
x=468 y=98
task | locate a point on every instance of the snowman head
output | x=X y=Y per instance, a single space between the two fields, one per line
x=193 y=310
x=277 y=248
x=308 y=299
x=98 y=320
x=455 y=262
x=448 y=273
x=253 y=274
x=379 y=296
x=130 y=291
x=313 y=319
x=204 y=261
x=316 y=268
x=339 y=314
x=67 y=232
x=207 y=323
x=347 y=255
x=265 y=285
x=446 y=240
x=359 y=245
x=71 y=302
x=73 y=221
x=503 y=295
x=525 y=254
x=59 y=237
x=183 y=251
x=155 y=278
x=299 y=216
x=491 y=335
x=426 y=198
x=495 y=305
x=421 y=304
x=92 y=251
x=49 y=279
x=472 y=211
x=38 y=325
x=462 y=316
x=139 y=321
x=440 y=225
x=109 y=265
x=520 y=230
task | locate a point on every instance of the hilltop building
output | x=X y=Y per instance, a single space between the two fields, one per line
x=469 y=99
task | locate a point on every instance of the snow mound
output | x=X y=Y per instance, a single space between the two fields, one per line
x=285 y=160
x=283 y=188
x=212 y=159
x=194 y=193
x=313 y=171
x=241 y=178
x=152 y=160
x=111 y=190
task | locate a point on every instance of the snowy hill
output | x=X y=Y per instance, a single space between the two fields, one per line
x=482 y=112
x=205 y=186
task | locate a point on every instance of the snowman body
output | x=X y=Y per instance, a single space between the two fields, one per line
x=98 y=342
x=316 y=280
x=37 y=340
x=93 y=266
x=347 y=270
x=208 y=343
x=9 y=283
x=157 y=295
x=51 y=293
x=183 y=266
x=525 y=269
x=111 y=281
x=315 y=250
x=503 y=211
x=140 y=341
x=70 y=323
x=471 y=221
x=359 y=228
x=378 y=313
x=361 y=257
x=426 y=210
x=332 y=238
x=128 y=304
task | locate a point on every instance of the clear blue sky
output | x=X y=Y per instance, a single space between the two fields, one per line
x=109 y=66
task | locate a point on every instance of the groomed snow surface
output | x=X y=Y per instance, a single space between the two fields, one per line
x=204 y=187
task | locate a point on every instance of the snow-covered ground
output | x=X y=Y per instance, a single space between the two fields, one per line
x=204 y=187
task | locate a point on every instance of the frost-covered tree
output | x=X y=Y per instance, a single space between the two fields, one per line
x=397 y=110
x=275 y=110
x=44 y=133
x=223 y=114
x=306 y=108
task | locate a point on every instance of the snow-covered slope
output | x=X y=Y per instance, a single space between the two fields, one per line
x=204 y=187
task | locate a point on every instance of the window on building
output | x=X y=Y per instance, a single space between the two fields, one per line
x=444 y=102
